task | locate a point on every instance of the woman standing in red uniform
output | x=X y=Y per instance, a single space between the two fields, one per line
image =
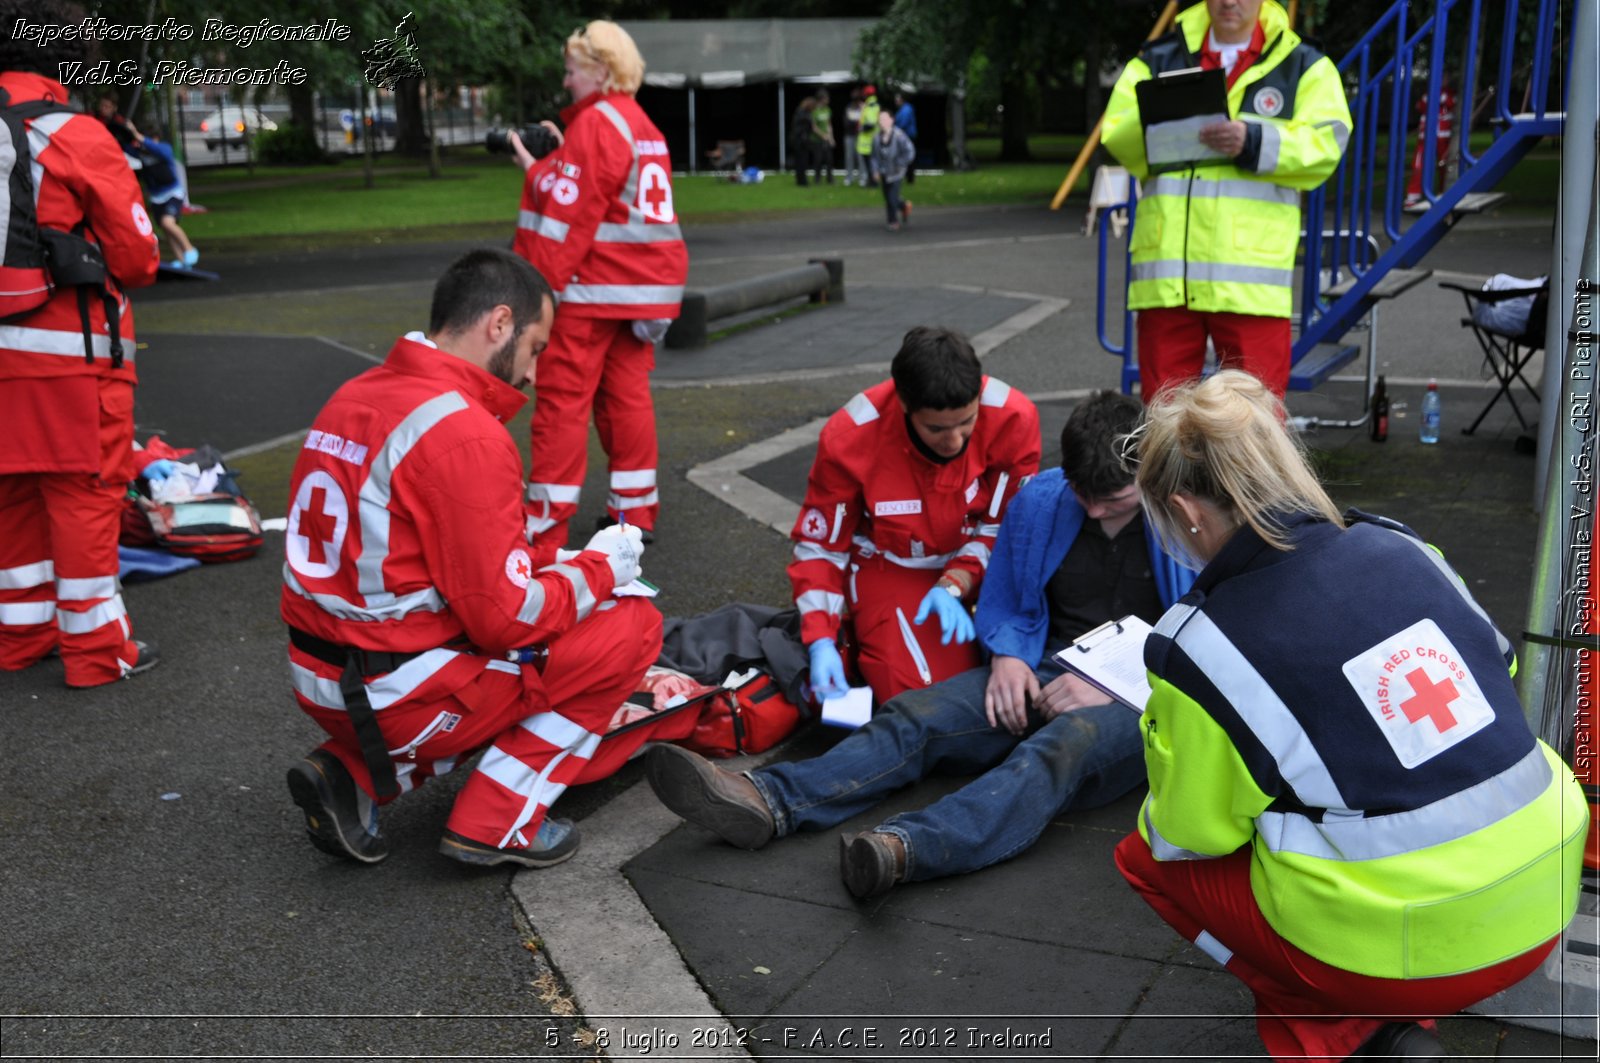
x=597 y=220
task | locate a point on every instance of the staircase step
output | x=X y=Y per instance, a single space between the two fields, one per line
x=1471 y=203
x=1393 y=283
x=1321 y=362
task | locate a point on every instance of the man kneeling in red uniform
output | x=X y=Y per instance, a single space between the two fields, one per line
x=420 y=629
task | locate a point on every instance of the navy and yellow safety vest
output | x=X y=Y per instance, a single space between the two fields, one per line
x=1221 y=236
x=1346 y=709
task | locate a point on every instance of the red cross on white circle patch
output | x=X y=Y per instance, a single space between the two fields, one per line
x=655 y=192
x=1419 y=692
x=519 y=567
x=317 y=525
x=813 y=525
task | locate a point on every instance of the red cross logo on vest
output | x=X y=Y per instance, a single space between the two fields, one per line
x=317 y=527
x=1420 y=693
x=318 y=523
x=655 y=192
x=1430 y=700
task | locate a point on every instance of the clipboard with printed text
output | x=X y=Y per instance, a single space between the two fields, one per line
x=1111 y=657
x=1173 y=107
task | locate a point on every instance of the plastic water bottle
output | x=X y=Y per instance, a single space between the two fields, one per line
x=1430 y=413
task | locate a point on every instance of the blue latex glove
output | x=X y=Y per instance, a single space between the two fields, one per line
x=954 y=620
x=827 y=670
x=158 y=470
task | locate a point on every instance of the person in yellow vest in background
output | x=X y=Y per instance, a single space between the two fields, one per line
x=867 y=130
x=1214 y=242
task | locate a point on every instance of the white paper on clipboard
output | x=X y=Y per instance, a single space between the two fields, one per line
x=1112 y=658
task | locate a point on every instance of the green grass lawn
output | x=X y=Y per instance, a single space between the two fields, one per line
x=477 y=196
x=476 y=191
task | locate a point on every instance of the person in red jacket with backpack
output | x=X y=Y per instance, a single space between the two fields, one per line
x=597 y=220
x=66 y=371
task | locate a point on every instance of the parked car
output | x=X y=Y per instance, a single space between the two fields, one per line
x=229 y=124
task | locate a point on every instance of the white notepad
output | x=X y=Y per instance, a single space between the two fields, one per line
x=1112 y=658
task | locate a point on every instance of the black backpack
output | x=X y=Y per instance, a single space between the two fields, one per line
x=37 y=259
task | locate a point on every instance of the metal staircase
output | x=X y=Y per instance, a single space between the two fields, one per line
x=1366 y=249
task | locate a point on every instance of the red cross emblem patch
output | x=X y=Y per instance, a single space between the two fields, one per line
x=813 y=525
x=319 y=520
x=1420 y=692
x=519 y=567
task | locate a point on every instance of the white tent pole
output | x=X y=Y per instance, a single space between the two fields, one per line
x=783 y=131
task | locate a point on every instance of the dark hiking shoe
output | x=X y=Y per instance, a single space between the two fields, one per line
x=870 y=863
x=149 y=657
x=555 y=842
x=723 y=802
x=330 y=799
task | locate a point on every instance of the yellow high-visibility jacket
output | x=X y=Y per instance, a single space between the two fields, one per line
x=1221 y=236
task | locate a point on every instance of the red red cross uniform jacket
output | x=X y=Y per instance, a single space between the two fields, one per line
x=597 y=216
x=598 y=221
x=405 y=535
x=69 y=421
x=881 y=523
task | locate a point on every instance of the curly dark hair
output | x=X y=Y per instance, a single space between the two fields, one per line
x=1091 y=452
x=31 y=56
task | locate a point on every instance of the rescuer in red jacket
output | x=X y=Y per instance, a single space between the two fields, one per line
x=597 y=219
x=421 y=629
x=904 y=501
x=66 y=396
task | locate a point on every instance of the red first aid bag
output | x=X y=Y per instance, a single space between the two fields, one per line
x=747 y=714
x=751 y=717
x=212 y=528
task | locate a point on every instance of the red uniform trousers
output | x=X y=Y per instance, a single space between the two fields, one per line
x=598 y=363
x=58 y=554
x=536 y=747
x=1172 y=347
x=1304 y=1007
x=883 y=653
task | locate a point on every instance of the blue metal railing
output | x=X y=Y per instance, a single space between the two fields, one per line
x=1366 y=193
x=1379 y=108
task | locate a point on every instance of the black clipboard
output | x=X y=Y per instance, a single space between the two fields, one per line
x=1181 y=95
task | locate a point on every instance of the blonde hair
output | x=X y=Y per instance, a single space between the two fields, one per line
x=606 y=44
x=1224 y=440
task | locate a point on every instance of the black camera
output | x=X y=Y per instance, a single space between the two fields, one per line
x=536 y=138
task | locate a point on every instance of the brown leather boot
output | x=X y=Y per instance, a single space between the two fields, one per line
x=723 y=802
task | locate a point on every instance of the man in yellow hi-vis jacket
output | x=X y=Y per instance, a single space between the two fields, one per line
x=1214 y=242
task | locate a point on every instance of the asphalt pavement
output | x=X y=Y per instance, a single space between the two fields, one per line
x=162 y=900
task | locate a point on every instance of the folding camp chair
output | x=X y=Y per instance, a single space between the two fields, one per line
x=1506 y=349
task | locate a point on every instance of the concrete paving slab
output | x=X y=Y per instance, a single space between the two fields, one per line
x=902 y=975
x=1076 y=897
x=1188 y=1013
x=755 y=949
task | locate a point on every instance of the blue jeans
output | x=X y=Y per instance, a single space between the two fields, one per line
x=892 y=205
x=1081 y=759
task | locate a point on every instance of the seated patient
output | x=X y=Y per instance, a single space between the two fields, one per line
x=1347 y=808
x=1072 y=553
x=909 y=484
